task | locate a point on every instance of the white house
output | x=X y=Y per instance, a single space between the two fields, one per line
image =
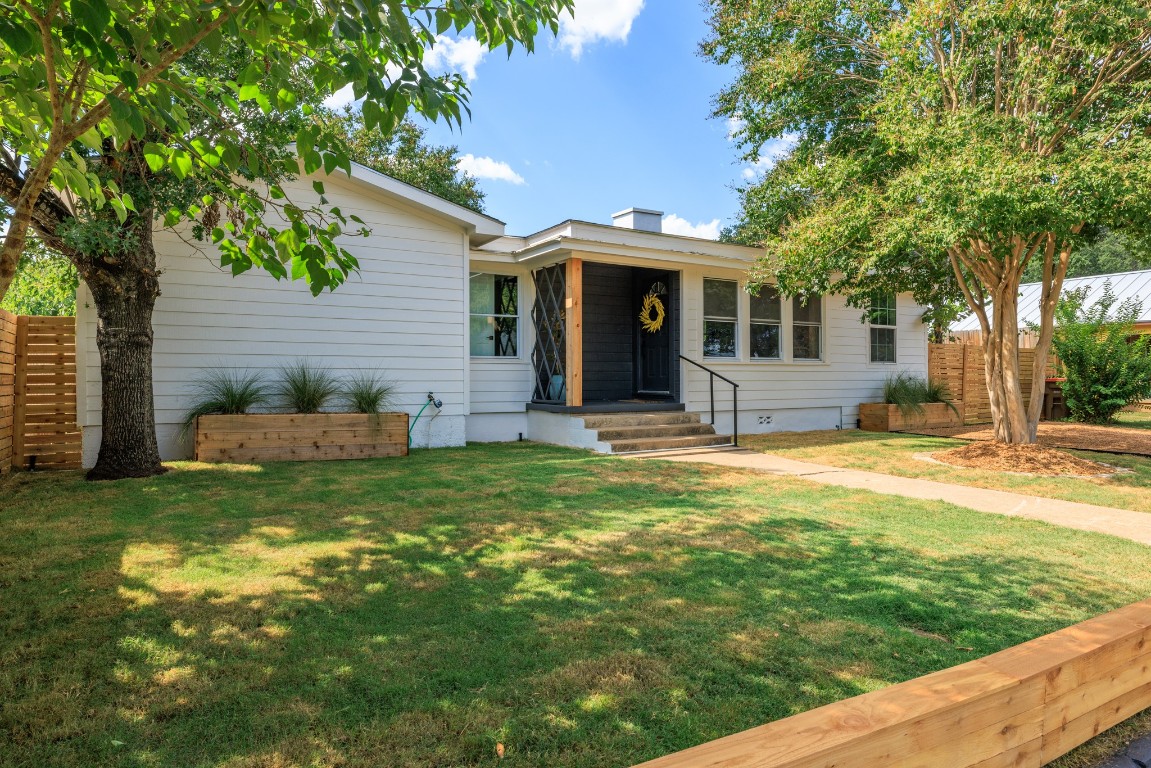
x=531 y=337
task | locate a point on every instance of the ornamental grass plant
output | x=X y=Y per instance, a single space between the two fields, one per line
x=367 y=391
x=228 y=392
x=304 y=387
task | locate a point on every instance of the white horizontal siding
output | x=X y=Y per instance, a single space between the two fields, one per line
x=842 y=380
x=403 y=314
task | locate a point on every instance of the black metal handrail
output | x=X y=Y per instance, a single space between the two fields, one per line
x=712 y=376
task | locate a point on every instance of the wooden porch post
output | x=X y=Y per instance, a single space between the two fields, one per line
x=574 y=332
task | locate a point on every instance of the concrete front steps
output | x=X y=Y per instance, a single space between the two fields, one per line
x=661 y=431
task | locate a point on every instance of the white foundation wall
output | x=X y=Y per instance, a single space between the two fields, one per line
x=785 y=395
x=404 y=314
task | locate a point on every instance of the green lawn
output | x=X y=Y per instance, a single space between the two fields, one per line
x=894 y=454
x=579 y=609
x=1137 y=419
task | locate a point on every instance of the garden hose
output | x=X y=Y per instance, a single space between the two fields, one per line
x=431 y=401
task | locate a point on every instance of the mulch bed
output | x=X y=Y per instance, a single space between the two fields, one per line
x=1064 y=434
x=1032 y=459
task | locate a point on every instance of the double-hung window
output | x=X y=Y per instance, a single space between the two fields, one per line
x=807 y=328
x=766 y=325
x=881 y=319
x=720 y=317
x=494 y=304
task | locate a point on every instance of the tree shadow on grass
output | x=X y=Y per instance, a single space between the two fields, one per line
x=579 y=611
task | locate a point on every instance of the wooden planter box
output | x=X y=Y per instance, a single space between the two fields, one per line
x=260 y=437
x=880 y=417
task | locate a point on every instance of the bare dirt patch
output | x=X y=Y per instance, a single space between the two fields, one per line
x=1066 y=434
x=1032 y=459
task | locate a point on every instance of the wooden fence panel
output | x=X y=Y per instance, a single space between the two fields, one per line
x=7 y=387
x=960 y=366
x=46 y=434
x=1024 y=706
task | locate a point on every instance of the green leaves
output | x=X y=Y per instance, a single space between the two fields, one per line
x=906 y=141
x=93 y=16
x=126 y=86
x=19 y=38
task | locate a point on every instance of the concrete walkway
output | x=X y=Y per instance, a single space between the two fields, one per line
x=1125 y=524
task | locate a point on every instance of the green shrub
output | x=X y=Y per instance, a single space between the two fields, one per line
x=910 y=392
x=1106 y=371
x=305 y=388
x=225 y=392
x=368 y=392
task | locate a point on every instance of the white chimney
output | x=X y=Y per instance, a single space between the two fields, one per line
x=639 y=218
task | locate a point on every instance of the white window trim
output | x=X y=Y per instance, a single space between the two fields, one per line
x=783 y=325
x=894 y=328
x=822 y=359
x=518 y=357
x=740 y=314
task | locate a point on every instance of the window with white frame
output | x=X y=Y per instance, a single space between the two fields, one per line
x=720 y=317
x=807 y=328
x=881 y=319
x=766 y=325
x=494 y=304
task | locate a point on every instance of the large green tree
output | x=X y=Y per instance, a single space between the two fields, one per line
x=938 y=140
x=112 y=126
x=45 y=284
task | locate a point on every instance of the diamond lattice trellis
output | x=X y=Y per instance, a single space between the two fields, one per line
x=549 y=317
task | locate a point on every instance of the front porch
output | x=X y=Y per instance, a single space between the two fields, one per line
x=606 y=360
x=607 y=338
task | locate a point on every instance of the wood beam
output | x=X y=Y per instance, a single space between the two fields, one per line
x=573 y=332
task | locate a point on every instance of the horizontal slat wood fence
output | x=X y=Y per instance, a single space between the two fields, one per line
x=1022 y=707
x=7 y=387
x=45 y=434
x=961 y=367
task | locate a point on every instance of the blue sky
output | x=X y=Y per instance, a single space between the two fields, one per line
x=612 y=114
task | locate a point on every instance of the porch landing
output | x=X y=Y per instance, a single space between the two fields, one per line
x=625 y=431
x=610 y=406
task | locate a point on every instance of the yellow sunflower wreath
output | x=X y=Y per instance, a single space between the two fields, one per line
x=652 y=304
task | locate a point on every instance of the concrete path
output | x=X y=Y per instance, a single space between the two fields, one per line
x=1135 y=526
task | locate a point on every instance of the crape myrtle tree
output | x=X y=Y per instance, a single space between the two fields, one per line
x=936 y=143
x=107 y=130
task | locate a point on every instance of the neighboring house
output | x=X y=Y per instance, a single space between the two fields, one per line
x=520 y=337
x=1125 y=285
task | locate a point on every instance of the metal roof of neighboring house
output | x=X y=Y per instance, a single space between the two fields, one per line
x=1124 y=284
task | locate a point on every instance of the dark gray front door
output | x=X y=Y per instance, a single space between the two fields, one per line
x=653 y=346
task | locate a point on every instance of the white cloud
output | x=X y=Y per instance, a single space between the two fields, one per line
x=734 y=126
x=448 y=54
x=769 y=154
x=487 y=168
x=597 y=20
x=341 y=98
x=705 y=230
x=455 y=55
x=345 y=98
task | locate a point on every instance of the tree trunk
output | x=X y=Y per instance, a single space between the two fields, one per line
x=124 y=289
x=1009 y=411
x=1014 y=419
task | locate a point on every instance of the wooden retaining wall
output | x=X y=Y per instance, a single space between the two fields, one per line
x=45 y=432
x=7 y=387
x=1022 y=707
x=961 y=367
